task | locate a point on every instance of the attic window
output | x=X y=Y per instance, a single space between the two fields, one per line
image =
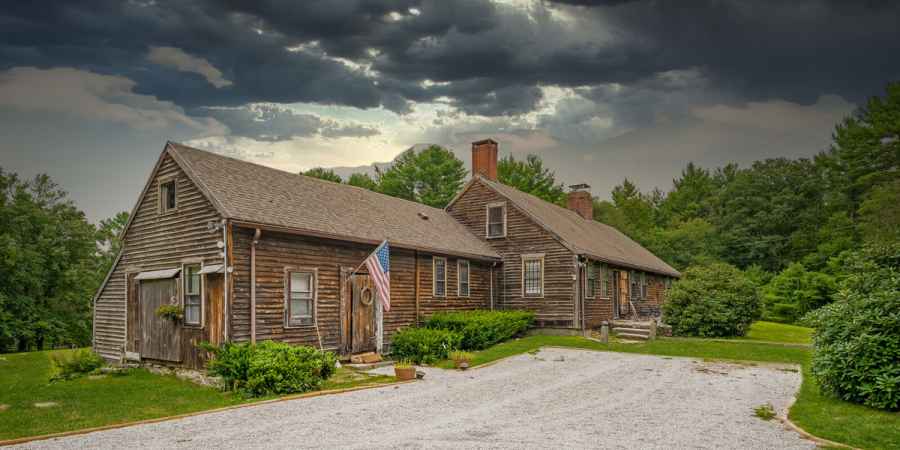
x=496 y=220
x=167 y=196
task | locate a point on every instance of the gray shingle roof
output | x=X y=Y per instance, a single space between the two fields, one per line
x=589 y=237
x=247 y=192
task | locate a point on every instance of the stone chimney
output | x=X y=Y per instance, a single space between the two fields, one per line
x=581 y=201
x=484 y=158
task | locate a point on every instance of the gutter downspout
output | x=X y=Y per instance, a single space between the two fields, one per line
x=493 y=265
x=581 y=285
x=225 y=279
x=253 y=243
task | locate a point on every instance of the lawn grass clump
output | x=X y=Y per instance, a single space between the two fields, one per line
x=66 y=365
x=424 y=345
x=271 y=368
x=765 y=412
x=481 y=329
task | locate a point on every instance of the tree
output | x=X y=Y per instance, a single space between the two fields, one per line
x=532 y=177
x=879 y=214
x=866 y=149
x=637 y=211
x=47 y=251
x=686 y=243
x=692 y=196
x=323 y=174
x=769 y=214
x=794 y=292
x=109 y=243
x=432 y=176
x=362 y=180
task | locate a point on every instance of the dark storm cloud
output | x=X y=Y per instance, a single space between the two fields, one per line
x=272 y=123
x=488 y=59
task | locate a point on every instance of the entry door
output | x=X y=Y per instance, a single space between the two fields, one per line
x=160 y=337
x=215 y=314
x=362 y=315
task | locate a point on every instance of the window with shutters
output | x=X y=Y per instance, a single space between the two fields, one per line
x=300 y=307
x=440 y=276
x=590 y=289
x=462 y=275
x=193 y=301
x=496 y=220
x=605 y=290
x=533 y=276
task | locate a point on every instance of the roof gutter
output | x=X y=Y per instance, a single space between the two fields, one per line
x=339 y=237
x=628 y=265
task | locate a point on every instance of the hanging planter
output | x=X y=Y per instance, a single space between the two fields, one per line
x=171 y=312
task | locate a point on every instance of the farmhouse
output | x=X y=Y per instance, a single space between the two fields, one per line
x=250 y=253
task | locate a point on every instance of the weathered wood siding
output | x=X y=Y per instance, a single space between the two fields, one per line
x=600 y=307
x=277 y=251
x=155 y=241
x=557 y=308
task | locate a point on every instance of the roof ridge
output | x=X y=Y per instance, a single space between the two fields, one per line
x=314 y=179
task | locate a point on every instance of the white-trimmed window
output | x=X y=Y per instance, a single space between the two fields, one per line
x=533 y=276
x=193 y=299
x=496 y=220
x=300 y=301
x=439 y=273
x=168 y=196
x=462 y=278
x=591 y=289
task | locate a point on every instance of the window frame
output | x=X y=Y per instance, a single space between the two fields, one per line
x=644 y=286
x=633 y=288
x=533 y=257
x=590 y=288
x=487 y=219
x=185 y=265
x=605 y=288
x=459 y=283
x=162 y=208
x=434 y=280
x=314 y=296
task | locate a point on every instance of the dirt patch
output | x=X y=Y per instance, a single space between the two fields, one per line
x=3 y=407
x=45 y=404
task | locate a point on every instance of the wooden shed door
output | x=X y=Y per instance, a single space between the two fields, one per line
x=362 y=315
x=160 y=337
x=215 y=314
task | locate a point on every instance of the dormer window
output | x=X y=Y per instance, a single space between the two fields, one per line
x=167 y=196
x=496 y=220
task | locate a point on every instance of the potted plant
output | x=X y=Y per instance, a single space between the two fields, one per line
x=171 y=312
x=461 y=359
x=404 y=370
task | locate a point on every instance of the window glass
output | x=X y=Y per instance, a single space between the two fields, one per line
x=496 y=219
x=533 y=276
x=591 y=280
x=440 y=277
x=192 y=299
x=167 y=196
x=300 y=306
x=604 y=281
x=463 y=273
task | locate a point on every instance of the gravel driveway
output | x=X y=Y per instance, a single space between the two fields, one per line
x=553 y=399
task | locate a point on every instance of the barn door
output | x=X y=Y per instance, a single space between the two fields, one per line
x=362 y=314
x=160 y=337
x=215 y=314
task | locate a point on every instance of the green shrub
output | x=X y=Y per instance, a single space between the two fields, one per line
x=712 y=300
x=482 y=329
x=857 y=339
x=423 y=345
x=65 y=365
x=795 y=292
x=271 y=368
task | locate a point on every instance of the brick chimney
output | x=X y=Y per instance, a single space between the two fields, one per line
x=484 y=158
x=581 y=201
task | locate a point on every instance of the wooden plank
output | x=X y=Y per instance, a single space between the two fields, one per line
x=160 y=337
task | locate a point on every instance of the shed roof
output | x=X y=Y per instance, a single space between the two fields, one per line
x=591 y=238
x=254 y=194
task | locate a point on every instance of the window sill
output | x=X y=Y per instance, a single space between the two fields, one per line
x=310 y=326
x=495 y=237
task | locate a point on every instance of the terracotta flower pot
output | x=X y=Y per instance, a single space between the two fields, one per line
x=405 y=373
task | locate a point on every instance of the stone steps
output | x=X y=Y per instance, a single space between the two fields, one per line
x=631 y=330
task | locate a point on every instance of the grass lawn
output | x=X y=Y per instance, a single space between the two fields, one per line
x=779 y=332
x=818 y=414
x=86 y=403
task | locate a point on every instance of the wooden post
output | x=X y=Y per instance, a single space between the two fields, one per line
x=652 y=329
x=604 y=332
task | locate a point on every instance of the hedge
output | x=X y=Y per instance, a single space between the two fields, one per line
x=481 y=329
x=271 y=367
x=423 y=345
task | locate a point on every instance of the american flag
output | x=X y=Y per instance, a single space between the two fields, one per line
x=379 y=265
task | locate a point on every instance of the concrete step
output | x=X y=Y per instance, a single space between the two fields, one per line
x=632 y=336
x=631 y=324
x=641 y=331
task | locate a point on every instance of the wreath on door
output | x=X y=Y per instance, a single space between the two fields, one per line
x=366 y=296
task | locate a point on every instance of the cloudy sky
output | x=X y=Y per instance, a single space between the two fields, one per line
x=91 y=90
